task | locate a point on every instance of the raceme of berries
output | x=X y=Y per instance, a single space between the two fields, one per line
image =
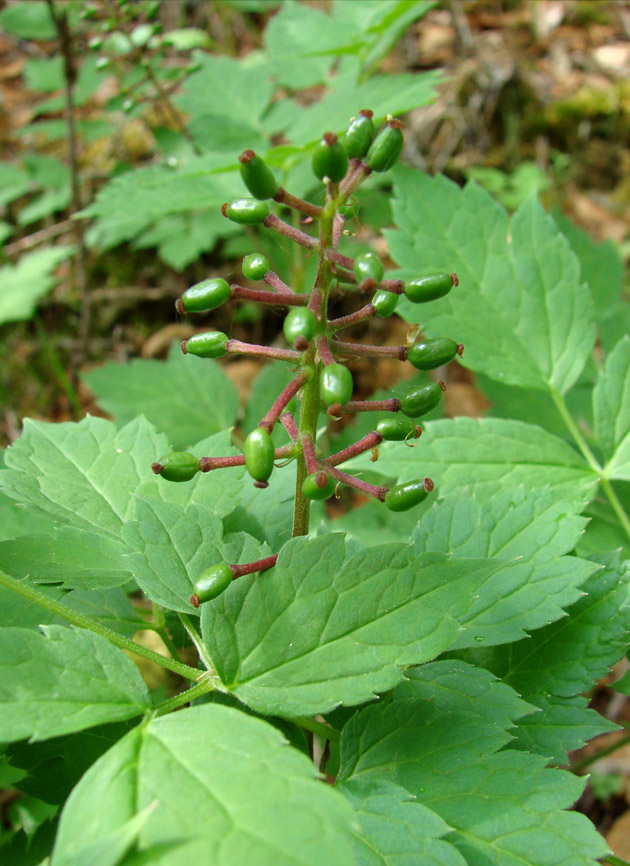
x=319 y=357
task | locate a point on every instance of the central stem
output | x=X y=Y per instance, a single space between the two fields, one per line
x=310 y=393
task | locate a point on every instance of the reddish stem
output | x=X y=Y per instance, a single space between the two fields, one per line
x=362 y=486
x=366 y=312
x=238 y=347
x=338 y=227
x=342 y=275
x=391 y=405
x=283 y=398
x=315 y=302
x=272 y=279
x=286 y=299
x=296 y=203
x=207 y=464
x=354 y=181
x=277 y=225
x=288 y=422
x=363 y=351
x=340 y=259
x=323 y=349
x=370 y=440
x=251 y=567
x=395 y=286
x=308 y=449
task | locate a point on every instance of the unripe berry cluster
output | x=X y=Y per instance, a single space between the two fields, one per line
x=322 y=380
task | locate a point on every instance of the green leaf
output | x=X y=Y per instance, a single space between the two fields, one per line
x=603 y=270
x=14 y=182
x=394 y=829
x=23 y=284
x=439 y=738
x=267 y=384
x=567 y=657
x=172 y=546
x=487 y=456
x=53 y=767
x=44 y=74
x=611 y=408
x=564 y=659
x=604 y=531
x=525 y=404
x=44 y=205
x=520 y=309
x=186 y=397
x=559 y=726
x=531 y=531
x=385 y=94
x=266 y=514
x=68 y=556
x=182 y=238
x=294 y=32
x=82 y=474
x=133 y=201
x=62 y=681
x=247 y=795
x=186 y=38
x=31 y=20
x=240 y=94
x=324 y=627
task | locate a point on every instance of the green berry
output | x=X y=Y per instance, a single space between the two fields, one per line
x=203 y=297
x=402 y=497
x=358 y=136
x=255 y=266
x=299 y=327
x=211 y=583
x=246 y=211
x=386 y=147
x=396 y=429
x=330 y=159
x=430 y=288
x=259 y=454
x=430 y=354
x=336 y=385
x=421 y=400
x=318 y=485
x=384 y=303
x=368 y=266
x=257 y=176
x=208 y=345
x=177 y=466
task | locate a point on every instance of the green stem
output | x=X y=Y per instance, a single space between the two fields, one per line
x=611 y=860
x=195 y=637
x=201 y=688
x=310 y=393
x=82 y=621
x=576 y=432
x=325 y=732
x=616 y=504
x=592 y=461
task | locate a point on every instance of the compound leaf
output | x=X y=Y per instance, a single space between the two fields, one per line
x=62 y=681
x=249 y=796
